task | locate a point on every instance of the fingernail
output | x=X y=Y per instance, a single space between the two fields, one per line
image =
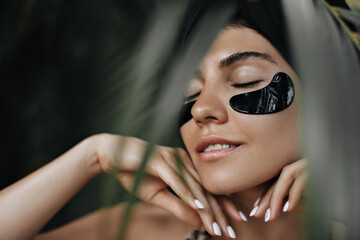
x=199 y=204
x=257 y=201
x=231 y=232
x=253 y=211
x=267 y=215
x=216 y=229
x=243 y=217
x=286 y=206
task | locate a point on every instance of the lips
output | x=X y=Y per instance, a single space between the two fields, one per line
x=215 y=148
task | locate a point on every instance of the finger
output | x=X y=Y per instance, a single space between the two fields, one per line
x=281 y=190
x=230 y=209
x=153 y=190
x=185 y=163
x=188 y=181
x=262 y=208
x=167 y=155
x=129 y=153
x=176 y=206
x=220 y=217
x=188 y=164
x=149 y=187
x=172 y=179
x=182 y=189
x=301 y=164
x=288 y=176
x=296 y=191
x=206 y=213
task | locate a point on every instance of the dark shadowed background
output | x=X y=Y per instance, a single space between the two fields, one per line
x=70 y=69
x=58 y=62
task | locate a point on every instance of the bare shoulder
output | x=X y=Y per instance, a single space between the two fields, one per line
x=147 y=222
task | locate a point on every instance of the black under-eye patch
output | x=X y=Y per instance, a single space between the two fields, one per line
x=185 y=113
x=275 y=97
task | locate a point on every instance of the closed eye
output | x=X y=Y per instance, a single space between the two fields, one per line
x=246 y=85
x=191 y=97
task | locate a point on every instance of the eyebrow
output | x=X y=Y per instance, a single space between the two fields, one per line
x=242 y=56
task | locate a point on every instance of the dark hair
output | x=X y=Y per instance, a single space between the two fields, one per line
x=266 y=17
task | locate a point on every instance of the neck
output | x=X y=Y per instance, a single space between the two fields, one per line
x=286 y=226
x=246 y=199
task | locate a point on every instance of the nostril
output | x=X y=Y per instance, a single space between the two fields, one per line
x=210 y=117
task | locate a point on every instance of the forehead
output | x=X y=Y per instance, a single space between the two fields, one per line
x=234 y=39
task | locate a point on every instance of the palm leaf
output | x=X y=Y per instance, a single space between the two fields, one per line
x=163 y=125
x=327 y=64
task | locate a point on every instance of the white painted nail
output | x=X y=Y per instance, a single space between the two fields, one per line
x=243 y=217
x=286 y=206
x=253 y=211
x=216 y=229
x=267 y=215
x=257 y=201
x=199 y=204
x=231 y=232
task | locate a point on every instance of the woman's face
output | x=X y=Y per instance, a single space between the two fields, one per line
x=260 y=145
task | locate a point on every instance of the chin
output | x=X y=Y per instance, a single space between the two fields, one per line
x=217 y=189
x=224 y=183
x=220 y=188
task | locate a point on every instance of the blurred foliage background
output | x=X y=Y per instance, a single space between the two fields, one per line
x=67 y=72
x=61 y=65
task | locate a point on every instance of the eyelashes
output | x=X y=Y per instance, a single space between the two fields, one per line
x=236 y=85
x=246 y=85
x=191 y=97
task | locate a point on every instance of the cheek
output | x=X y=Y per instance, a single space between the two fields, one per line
x=271 y=143
x=275 y=133
x=275 y=144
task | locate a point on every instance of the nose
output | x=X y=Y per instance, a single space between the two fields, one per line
x=210 y=107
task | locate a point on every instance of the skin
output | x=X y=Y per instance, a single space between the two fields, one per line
x=213 y=116
x=268 y=143
x=269 y=149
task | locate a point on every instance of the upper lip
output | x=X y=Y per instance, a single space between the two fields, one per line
x=211 y=140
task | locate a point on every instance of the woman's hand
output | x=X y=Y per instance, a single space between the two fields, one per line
x=122 y=156
x=284 y=194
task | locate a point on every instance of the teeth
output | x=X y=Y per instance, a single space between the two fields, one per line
x=209 y=148
x=217 y=147
x=225 y=146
